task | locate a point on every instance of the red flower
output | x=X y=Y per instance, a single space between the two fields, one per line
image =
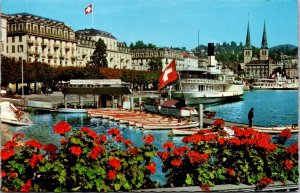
x=114 y=162
x=91 y=133
x=3 y=174
x=34 y=159
x=113 y=131
x=34 y=143
x=289 y=164
x=221 y=140
x=103 y=138
x=17 y=135
x=13 y=175
x=230 y=171
x=285 y=134
x=62 y=127
x=119 y=138
x=63 y=141
x=7 y=153
x=26 y=186
x=148 y=139
x=76 y=150
x=196 y=157
x=168 y=144
x=51 y=148
x=127 y=142
x=10 y=144
x=187 y=139
x=164 y=155
x=111 y=174
x=218 y=122
x=133 y=150
x=204 y=187
x=176 y=162
x=96 y=150
x=266 y=181
x=151 y=167
x=292 y=149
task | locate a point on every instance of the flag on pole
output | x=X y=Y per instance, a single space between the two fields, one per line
x=168 y=75
x=88 y=9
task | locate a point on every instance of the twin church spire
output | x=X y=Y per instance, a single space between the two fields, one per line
x=264 y=52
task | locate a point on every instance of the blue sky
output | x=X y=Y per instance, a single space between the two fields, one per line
x=175 y=23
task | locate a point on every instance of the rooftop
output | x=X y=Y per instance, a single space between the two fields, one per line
x=95 y=32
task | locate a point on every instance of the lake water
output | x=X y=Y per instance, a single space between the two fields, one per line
x=271 y=107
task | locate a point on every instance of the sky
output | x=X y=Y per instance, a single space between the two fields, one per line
x=173 y=23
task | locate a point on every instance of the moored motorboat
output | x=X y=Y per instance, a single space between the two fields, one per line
x=13 y=116
x=169 y=126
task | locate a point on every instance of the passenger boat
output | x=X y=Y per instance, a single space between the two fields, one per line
x=71 y=110
x=279 y=83
x=206 y=85
x=13 y=116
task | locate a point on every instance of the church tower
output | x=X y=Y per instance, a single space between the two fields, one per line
x=247 y=48
x=264 y=51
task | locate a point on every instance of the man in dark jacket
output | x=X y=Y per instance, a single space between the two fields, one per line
x=250 y=117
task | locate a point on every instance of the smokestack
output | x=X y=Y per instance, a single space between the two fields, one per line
x=211 y=49
x=211 y=55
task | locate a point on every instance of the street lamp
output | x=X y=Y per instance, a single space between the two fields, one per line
x=22 y=80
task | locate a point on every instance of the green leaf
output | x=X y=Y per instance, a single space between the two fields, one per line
x=76 y=141
x=189 y=180
x=117 y=187
x=76 y=188
x=127 y=186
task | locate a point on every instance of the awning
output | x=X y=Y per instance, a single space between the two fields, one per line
x=114 y=91
x=170 y=103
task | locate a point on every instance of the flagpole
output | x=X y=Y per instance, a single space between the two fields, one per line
x=92 y=15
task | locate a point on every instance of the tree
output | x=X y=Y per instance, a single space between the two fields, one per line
x=98 y=59
x=155 y=64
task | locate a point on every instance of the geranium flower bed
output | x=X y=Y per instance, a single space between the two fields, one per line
x=87 y=161
x=248 y=157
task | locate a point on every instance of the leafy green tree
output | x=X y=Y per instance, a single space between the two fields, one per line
x=98 y=59
x=155 y=64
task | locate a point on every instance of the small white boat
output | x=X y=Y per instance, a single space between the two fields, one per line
x=71 y=110
x=276 y=130
x=169 y=126
x=13 y=116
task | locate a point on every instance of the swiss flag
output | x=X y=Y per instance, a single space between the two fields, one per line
x=168 y=75
x=88 y=9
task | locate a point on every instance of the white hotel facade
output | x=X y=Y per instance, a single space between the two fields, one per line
x=34 y=38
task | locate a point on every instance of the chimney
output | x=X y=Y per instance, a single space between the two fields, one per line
x=211 y=55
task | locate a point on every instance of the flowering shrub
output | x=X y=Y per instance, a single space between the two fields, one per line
x=84 y=162
x=248 y=157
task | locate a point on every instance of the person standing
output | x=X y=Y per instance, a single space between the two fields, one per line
x=250 y=117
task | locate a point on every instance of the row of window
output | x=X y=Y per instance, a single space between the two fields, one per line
x=40 y=29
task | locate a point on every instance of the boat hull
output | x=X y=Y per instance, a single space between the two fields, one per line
x=70 y=110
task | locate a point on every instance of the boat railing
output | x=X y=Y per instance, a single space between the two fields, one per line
x=204 y=81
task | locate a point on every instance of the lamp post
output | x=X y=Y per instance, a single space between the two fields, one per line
x=22 y=80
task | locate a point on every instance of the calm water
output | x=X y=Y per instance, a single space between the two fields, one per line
x=271 y=108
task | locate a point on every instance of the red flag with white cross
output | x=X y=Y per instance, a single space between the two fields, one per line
x=88 y=9
x=168 y=75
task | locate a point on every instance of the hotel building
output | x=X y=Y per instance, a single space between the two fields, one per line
x=35 y=38
x=118 y=54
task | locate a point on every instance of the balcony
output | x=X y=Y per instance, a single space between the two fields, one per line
x=44 y=44
x=30 y=42
x=56 y=45
x=68 y=47
x=30 y=53
x=50 y=55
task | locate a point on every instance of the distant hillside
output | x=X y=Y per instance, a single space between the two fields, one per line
x=284 y=47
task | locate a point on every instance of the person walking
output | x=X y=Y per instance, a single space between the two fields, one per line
x=250 y=117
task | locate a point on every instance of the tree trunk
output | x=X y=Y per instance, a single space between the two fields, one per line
x=17 y=87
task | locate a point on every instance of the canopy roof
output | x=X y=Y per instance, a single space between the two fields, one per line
x=98 y=90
